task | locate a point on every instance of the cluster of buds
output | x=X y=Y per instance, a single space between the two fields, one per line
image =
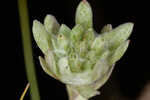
x=80 y=57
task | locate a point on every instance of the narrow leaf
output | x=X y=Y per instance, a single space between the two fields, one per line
x=46 y=67
x=106 y=28
x=77 y=33
x=65 y=30
x=62 y=42
x=119 y=52
x=102 y=80
x=51 y=62
x=118 y=35
x=84 y=15
x=98 y=45
x=42 y=38
x=89 y=37
x=51 y=24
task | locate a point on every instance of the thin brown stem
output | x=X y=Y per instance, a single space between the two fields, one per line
x=25 y=91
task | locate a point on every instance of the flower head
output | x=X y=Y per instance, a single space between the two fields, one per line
x=79 y=56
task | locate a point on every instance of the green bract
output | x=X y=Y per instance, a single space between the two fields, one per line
x=77 y=57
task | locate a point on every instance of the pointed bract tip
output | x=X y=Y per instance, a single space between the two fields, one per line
x=129 y=41
x=84 y=1
x=36 y=26
x=130 y=24
x=49 y=16
x=35 y=22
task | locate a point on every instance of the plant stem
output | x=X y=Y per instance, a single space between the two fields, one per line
x=25 y=91
x=73 y=95
x=26 y=40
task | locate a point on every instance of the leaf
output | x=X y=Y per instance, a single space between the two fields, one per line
x=100 y=67
x=91 y=59
x=63 y=42
x=42 y=38
x=77 y=33
x=75 y=61
x=89 y=37
x=51 y=24
x=118 y=35
x=84 y=15
x=82 y=49
x=98 y=45
x=102 y=80
x=119 y=52
x=86 y=91
x=106 y=28
x=51 y=62
x=65 y=30
x=46 y=67
x=77 y=78
x=102 y=71
x=63 y=65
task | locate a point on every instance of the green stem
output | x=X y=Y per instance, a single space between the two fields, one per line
x=26 y=40
x=73 y=95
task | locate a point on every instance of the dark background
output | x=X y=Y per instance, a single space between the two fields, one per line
x=131 y=73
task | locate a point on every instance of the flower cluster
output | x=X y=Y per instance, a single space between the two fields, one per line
x=80 y=57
